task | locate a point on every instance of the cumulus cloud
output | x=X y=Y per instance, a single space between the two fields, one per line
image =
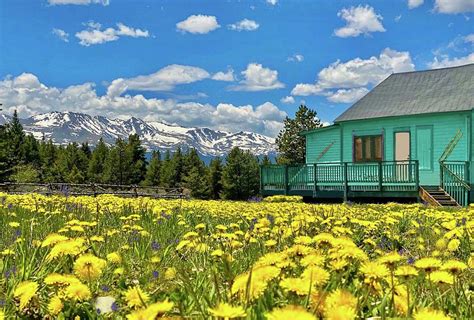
x=359 y=20
x=224 y=76
x=446 y=61
x=347 y=95
x=94 y=35
x=454 y=6
x=78 y=2
x=469 y=38
x=287 y=100
x=414 y=3
x=29 y=96
x=296 y=58
x=258 y=78
x=198 y=24
x=355 y=74
x=61 y=34
x=272 y=2
x=244 y=25
x=164 y=79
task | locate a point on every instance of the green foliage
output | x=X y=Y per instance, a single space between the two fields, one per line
x=290 y=144
x=96 y=166
x=240 y=177
x=215 y=178
x=153 y=173
x=197 y=175
x=25 y=173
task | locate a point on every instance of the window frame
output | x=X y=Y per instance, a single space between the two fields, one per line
x=372 y=142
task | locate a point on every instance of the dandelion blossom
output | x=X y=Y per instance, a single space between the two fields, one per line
x=428 y=314
x=290 y=312
x=88 y=267
x=226 y=311
x=25 y=291
x=135 y=297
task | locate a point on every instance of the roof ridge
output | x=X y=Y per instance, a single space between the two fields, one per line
x=434 y=69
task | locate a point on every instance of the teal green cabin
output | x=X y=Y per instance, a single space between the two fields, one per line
x=411 y=136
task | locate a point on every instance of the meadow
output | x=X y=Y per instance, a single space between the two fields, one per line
x=278 y=259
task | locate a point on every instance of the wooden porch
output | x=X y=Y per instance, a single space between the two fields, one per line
x=345 y=180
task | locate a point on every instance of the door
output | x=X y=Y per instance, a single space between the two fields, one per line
x=424 y=154
x=402 y=155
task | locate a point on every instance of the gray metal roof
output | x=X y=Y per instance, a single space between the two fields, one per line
x=418 y=92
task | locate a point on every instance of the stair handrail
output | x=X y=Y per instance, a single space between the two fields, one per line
x=455 y=176
x=451 y=145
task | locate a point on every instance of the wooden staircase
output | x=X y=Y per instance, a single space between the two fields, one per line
x=437 y=197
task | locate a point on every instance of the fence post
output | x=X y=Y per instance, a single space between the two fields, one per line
x=346 y=185
x=286 y=180
x=381 y=174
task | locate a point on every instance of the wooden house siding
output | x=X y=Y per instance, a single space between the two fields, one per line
x=441 y=126
x=325 y=146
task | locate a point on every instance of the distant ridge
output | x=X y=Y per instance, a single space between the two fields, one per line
x=65 y=127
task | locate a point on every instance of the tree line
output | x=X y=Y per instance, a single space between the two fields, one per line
x=23 y=158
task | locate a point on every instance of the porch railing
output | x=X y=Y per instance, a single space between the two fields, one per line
x=455 y=180
x=341 y=176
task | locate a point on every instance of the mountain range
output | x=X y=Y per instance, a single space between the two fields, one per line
x=66 y=127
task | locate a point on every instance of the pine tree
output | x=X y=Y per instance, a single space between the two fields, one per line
x=136 y=156
x=166 y=170
x=266 y=160
x=30 y=151
x=196 y=175
x=177 y=162
x=291 y=146
x=215 y=178
x=153 y=173
x=95 y=171
x=16 y=138
x=4 y=165
x=240 y=177
x=48 y=154
x=117 y=165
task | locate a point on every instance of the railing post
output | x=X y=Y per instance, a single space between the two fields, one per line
x=441 y=175
x=346 y=185
x=467 y=179
x=315 y=187
x=286 y=180
x=381 y=175
x=261 y=179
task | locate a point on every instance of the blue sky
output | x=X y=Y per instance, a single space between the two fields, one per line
x=229 y=65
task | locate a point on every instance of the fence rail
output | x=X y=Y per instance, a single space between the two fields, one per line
x=93 y=189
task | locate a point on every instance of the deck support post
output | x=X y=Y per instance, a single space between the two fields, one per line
x=315 y=179
x=346 y=185
x=380 y=175
x=417 y=180
x=287 y=187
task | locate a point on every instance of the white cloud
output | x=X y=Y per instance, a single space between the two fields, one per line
x=258 y=78
x=224 y=76
x=355 y=74
x=288 y=100
x=414 y=3
x=398 y=18
x=359 y=20
x=454 y=6
x=244 y=25
x=199 y=24
x=296 y=58
x=94 y=35
x=347 y=95
x=61 y=34
x=445 y=61
x=469 y=38
x=29 y=96
x=164 y=79
x=272 y=2
x=78 y=2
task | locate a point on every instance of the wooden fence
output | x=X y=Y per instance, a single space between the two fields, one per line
x=92 y=189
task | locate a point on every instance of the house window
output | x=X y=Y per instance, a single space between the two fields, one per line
x=368 y=148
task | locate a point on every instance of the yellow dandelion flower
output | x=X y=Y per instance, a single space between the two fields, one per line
x=89 y=267
x=454 y=266
x=428 y=314
x=24 y=292
x=226 y=311
x=441 y=277
x=52 y=239
x=170 y=273
x=114 y=257
x=60 y=279
x=453 y=245
x=55 y=305
x=290 y=312
x=316 y=275
x=135 y=297
x=406 y=272
x=428 y=264
x=78 y=292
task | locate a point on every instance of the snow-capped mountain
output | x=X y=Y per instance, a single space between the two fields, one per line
x=65 y=127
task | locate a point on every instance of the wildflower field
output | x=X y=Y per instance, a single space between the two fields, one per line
x=116 y=258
